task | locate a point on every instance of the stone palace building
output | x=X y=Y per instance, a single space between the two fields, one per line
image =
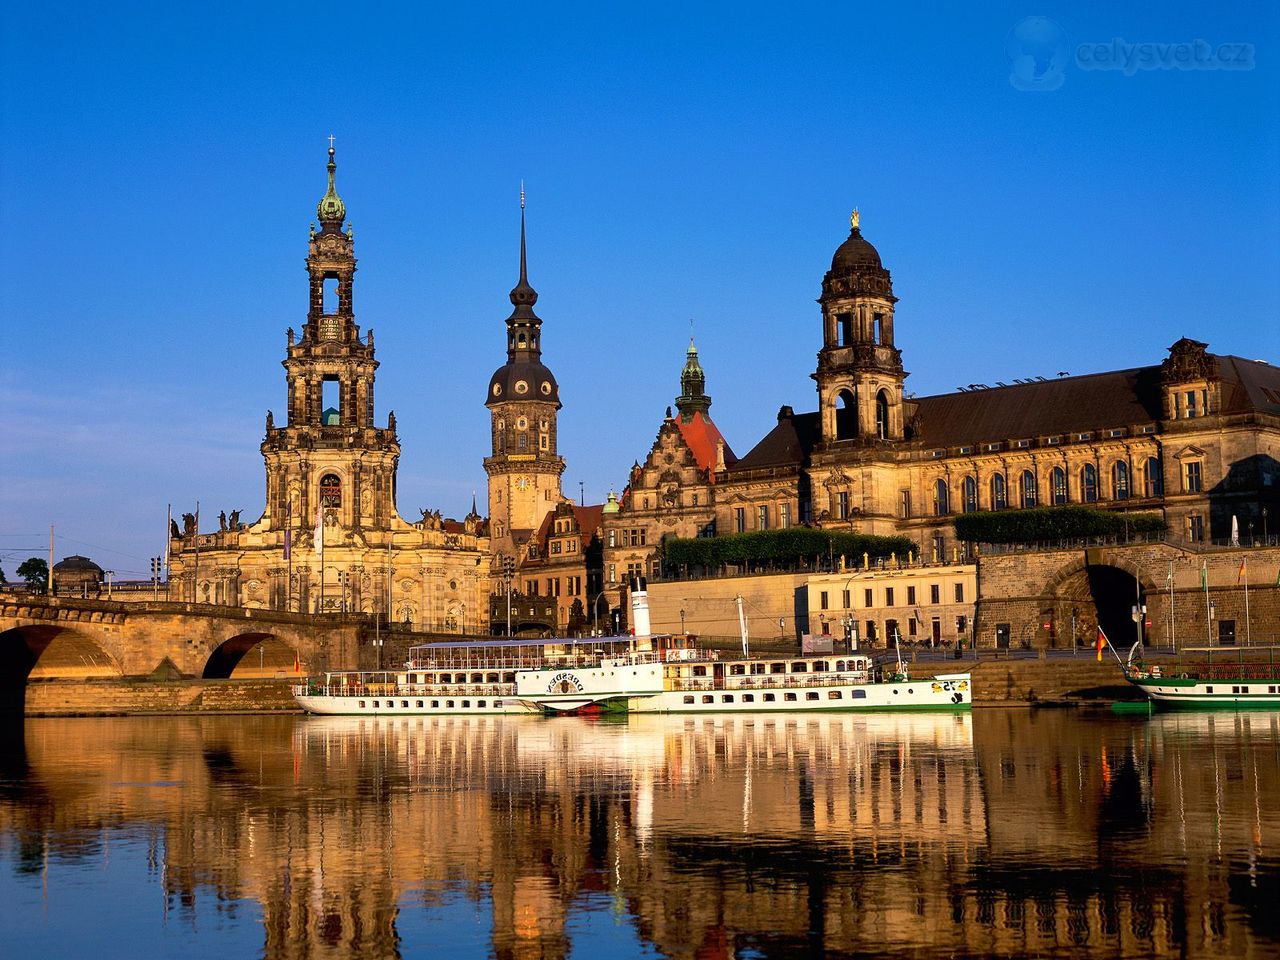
x=330 y=538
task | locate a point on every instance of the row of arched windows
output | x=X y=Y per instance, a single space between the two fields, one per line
x=1026 y=489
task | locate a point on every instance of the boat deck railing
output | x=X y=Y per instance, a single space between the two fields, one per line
x=407 y=690
x=771 y=683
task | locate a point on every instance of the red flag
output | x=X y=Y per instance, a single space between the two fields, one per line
x=1102 y=642
x=1240 y=573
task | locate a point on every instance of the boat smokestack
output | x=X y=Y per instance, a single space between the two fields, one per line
x=640 y=607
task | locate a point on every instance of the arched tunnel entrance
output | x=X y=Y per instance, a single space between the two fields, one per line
x=1098 y=595
x=250 y=655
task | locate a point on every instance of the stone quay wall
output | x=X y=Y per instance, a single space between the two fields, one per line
x=130 y=697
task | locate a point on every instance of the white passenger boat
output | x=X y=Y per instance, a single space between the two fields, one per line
x=463 y=677
x=669 y=674
x=1210 y=678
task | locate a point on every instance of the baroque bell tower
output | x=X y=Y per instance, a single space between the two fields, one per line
x=859 y=371
x=330 y=454
x=524 y=468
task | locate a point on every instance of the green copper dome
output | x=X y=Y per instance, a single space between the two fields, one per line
x=331 y=208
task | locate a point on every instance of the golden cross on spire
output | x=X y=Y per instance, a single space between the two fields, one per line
x=331 y=141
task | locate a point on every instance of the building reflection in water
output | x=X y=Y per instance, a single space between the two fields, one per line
x=1005 y=832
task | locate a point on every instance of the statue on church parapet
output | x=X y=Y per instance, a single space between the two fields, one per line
x=291 y=336
x=431 y=519
x=391 y=421
x=222 y=522
x=189 y=525
x=174 y=532
x=271 y=421
x=233 y=522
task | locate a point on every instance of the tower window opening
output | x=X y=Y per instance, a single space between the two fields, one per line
x=331 y=402
x=882 y=415
x=522 y=340
x=844 y=329
x=330 y=491
x=846 y=415
x=877 y=327
x=330 y=304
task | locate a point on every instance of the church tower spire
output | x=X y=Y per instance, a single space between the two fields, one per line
x=693 y=386
x=524 y=468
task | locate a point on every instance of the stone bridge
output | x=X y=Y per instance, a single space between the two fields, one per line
x=42 y=637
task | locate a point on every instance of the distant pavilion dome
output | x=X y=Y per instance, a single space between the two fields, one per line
x=331 y=417
x=611 y=505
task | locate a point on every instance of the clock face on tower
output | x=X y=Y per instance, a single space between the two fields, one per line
x=522 y=483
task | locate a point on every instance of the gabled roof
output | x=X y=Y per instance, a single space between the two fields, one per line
x=588 y=518
x=701 y=435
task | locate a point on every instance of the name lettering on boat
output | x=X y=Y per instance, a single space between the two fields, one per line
x=564 y=683
x=940 y=685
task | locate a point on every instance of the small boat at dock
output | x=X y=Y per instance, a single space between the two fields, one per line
x=1210 y=678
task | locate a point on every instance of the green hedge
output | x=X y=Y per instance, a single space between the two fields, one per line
x=785 y=548
x=1051 y=523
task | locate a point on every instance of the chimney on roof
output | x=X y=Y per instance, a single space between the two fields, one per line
x=785 y=413
x=720 y=452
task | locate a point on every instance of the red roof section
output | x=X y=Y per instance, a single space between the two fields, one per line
x=702 y=435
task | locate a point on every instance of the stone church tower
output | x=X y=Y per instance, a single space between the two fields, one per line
x=328 y=462
x=330 y=454
x=524 y=469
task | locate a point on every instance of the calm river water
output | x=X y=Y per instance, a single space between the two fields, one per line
x=1008 y=832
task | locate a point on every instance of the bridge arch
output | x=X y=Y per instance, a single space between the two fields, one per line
x=52 y=650
x=232 y=657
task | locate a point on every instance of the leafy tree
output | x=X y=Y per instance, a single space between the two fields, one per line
x=3 y=578
x=791 y=549
x=35 y=571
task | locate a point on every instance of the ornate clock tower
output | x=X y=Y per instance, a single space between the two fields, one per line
x=330 y=454
x=524 y=469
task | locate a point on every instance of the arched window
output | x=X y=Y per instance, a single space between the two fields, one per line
x=1089 y=483
x=1120 y=480
x=330 y=491
x=1028 y=488
x=882 y=415
x=1153 y=482
x=941 y=498
x=970 y=494
x=999 y=492
x=846 y=415
x=1058 y=486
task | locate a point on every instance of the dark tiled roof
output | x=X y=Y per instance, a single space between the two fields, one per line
x=1249 y=385
x=787 y=444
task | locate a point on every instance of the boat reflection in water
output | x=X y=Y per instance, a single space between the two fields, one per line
x=994 y=833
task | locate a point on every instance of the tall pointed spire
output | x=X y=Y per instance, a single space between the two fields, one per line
x=331 y=210
x=523 y=296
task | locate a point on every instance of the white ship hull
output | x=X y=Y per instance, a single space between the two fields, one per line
x=411 y=705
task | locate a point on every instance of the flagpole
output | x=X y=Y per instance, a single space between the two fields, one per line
x=195 y=569
x=1204 y=579
x=1248 y=627
x=168 y=547
x=1173 y=630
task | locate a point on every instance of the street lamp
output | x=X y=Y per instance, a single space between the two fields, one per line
x=595 y=613
x=682 y=630
x=508 y=572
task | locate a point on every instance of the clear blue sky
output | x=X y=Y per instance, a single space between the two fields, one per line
x=161 y=165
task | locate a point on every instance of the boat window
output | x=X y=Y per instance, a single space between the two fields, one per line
x=858 y=694
x=419 y=704
x=445 y=678
x=477 y=678
x=688 y=699
x=707 y=698
x=769 y=697
x=799 y=667
x=820 y=665
x=448 y=704
x=1235 y=689
x=834 y=695
x=699 y=671
x=508 y=678
x=361 y=704
x=726 y=698
x=757 y=668
x=1208 y=689
x=788 y=696
x=435 y=704
x=777 y=668
x=811 y=695
x=840 y=666
x=466 y=703
x=738 y=669
x=480 y=704
x=491 y=678
x=748 y=698
x=497 y=704
x=404 y=704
